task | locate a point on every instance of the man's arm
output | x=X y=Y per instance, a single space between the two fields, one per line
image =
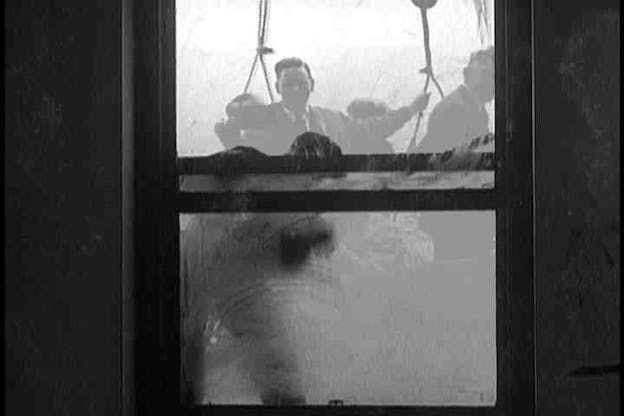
x=384 y=126
x=257 y=120
x=228 y=133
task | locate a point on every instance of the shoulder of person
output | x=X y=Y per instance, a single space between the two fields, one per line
x=322 y=110
x=259 y=115
x=452 y=101
x=271 y=108
x=447 y=109
x=326 y=113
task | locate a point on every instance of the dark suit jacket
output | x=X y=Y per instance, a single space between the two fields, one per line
x=278 y=131
x=454 y=121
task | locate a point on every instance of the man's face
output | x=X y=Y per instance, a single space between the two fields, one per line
x=481 y=78
x=295 y=86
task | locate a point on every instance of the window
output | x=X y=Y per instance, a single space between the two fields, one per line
x=174 y=185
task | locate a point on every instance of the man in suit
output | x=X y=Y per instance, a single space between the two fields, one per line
x=455 y=122
x=272 y=128
x=461 y=116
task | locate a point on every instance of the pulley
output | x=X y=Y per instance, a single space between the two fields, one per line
x=424 y=4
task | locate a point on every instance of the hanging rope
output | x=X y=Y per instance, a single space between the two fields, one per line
x=483 y=21
x=424 y=5
x=261 y=48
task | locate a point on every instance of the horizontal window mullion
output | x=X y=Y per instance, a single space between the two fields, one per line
x=301 y=201
x=357 y=410
x=416 y=162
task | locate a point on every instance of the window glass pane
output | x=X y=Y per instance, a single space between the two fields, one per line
x=376 y=308
x=365 y=58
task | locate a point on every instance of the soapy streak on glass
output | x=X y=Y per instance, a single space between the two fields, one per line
x=402 y=312
x=358 y=172
x=353 y=181
x=356 y=49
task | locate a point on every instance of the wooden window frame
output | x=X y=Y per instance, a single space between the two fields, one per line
x=158 y=203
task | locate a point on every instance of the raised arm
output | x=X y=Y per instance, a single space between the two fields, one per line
x=384 y=126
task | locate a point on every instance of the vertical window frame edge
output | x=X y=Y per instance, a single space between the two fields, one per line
x=157 y=214
x=514 y=178
x=157 y=365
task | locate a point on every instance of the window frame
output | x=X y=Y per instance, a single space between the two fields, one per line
x=158 y=203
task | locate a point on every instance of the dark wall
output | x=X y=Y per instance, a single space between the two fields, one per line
x=63 y=213
x=63 y=207
x=577 y=196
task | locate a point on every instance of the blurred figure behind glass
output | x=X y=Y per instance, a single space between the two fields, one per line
x=461 y=116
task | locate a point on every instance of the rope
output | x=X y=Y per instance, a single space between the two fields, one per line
x=261 y=48
x=427 y=70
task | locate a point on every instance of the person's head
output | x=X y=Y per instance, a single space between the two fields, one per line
x=479 y=74
x=294 y=83
x=233 y=108
x=240 y=118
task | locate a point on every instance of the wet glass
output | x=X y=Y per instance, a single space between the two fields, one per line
x=378 y=308
x=370 y=308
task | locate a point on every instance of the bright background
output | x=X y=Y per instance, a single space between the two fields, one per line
x=356 y=49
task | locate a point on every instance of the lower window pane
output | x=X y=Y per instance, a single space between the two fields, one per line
x=367 y=308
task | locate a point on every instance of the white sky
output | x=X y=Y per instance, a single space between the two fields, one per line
x=356 y=49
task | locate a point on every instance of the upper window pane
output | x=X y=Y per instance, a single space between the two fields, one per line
x=364 y=81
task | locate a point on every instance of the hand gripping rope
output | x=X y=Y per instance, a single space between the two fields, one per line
x=261 y=48
x=423 y=5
